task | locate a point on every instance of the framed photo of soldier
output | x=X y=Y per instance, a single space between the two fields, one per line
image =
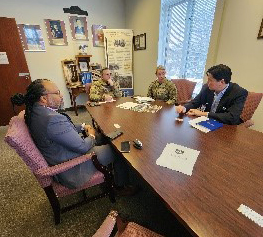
x=56 y=32
x=78 y=26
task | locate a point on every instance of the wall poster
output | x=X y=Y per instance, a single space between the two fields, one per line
x=118 y=54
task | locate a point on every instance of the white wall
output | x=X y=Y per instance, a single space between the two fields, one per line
x=239 y=48
x=143 y=17
x=48 y=64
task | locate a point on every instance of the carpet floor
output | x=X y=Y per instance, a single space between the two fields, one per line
x=25 y=210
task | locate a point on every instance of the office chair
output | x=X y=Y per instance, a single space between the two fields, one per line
x=185 y=90
x=18 y=137
x=129 y=229
x=251 y=104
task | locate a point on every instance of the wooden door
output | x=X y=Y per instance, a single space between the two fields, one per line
x=14 y=76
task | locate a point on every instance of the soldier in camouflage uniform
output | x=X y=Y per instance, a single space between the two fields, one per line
x=105 y=89
x=162 y=89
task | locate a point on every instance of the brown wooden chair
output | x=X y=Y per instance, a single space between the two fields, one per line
x=185 y=90
x=251 y=104
x=19 y=138
x=125 y=229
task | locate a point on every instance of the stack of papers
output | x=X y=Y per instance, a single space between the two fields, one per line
x=140 y=107
x=178 y=158
x=143 y=99
x=204 y=124
x=251 y=214
x=104 y=102
x=127 y=105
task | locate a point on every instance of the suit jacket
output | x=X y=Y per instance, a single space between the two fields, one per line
x=229 y=108
x=58 y=141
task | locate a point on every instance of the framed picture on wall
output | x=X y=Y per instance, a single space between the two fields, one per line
x=139 y=42
x=98 y=35
x=136 y=42
x=56 y=32
x=260 y=33
x=31 y=37
x=143 y=41
x=78 y=26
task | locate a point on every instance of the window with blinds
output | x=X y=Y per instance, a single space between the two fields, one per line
x=184 y=35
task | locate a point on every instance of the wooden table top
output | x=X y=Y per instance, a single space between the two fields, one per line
x=228 y=171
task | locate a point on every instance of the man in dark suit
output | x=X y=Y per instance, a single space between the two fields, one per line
x=58 y=138
x=219 y=99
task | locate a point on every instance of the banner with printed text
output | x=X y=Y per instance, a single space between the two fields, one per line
x=118 y=55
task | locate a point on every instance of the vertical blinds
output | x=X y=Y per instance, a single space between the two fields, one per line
x=184 y=35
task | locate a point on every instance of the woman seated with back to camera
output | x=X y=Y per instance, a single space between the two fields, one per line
x=161 y=88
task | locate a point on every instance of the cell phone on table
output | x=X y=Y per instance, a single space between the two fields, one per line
x=125 y=147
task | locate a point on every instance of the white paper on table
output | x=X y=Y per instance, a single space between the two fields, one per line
x=251 y=214
x=104 y=102
x=127 y=105
x=179 y=158
x=143 y=99
x=116 y=125
x=194 y=124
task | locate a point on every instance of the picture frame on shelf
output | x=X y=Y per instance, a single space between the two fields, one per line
x=78 y=26
x=260 y=32
x=31 y=37
x=56 y=32
x=86 y=77
x=70 y=72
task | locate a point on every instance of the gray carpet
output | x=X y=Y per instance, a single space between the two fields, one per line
x=25 y=210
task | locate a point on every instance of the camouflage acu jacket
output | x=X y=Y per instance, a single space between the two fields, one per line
x=100 y=88
x=165 y=91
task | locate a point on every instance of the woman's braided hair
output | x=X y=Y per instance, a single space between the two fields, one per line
x=33 y=93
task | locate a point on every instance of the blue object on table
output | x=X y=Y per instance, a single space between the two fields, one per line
x=86 y=77
x=211 y=124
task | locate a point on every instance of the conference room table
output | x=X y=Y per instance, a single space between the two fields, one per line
x=228 y=171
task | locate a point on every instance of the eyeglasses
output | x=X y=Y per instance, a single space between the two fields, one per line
x=53 y=93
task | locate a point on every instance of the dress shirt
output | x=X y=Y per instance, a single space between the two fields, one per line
x=217 y=98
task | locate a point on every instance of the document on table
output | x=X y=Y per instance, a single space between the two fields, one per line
x=143 y=99
x=179 y=158
x=194 y=123
x=251 y=214
x=104 y=102
x=205 y=124
x=127 y=105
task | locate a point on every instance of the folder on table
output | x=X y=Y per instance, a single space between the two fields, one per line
x=211 y=124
